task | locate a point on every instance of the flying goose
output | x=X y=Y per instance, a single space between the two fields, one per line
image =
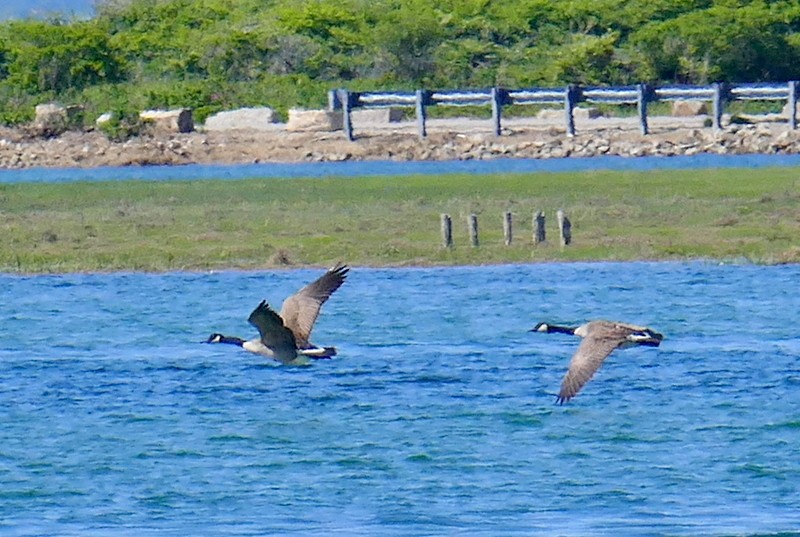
x=285 y=337
x=600 y=338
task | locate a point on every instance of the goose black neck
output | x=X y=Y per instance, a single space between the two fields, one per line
x=553 y=328
x=230 y=340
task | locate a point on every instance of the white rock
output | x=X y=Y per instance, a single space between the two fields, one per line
x=315 y=120
x=259 y=118
x=178 y=120
x=689 y=108
x=376 y=115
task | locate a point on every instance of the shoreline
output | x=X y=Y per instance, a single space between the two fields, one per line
x=447 y=140
x=727 y=262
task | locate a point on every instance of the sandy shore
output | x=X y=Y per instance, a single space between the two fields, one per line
x=448 y=139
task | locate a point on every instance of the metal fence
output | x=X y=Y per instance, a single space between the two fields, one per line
x=570 y=96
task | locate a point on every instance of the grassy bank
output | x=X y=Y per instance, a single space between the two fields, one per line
x=718 y=214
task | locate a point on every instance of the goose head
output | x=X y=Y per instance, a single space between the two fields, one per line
x=215 y=338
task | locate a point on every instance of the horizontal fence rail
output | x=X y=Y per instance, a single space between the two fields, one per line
x=570 y=96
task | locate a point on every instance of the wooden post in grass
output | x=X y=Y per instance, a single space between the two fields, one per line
x=447 y=231
x=538 y=228
x=564 y=228
x=507 y=231
x=473 y=230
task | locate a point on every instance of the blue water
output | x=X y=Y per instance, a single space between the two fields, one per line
x=436 y=418
x=389 y=168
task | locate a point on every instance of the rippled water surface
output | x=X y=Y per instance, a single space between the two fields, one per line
x=272 y=170
x=436 y=418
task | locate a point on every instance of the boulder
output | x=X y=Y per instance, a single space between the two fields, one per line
x=315 y=120
x=260 y=118
x=577 y=113
x=586 y=113
x=689 y=108
x=54 y=119
x=377 y=115
x=50 y=118
x=178 y=120
x=104 y=118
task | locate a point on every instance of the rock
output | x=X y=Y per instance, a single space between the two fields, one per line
x=18 y=149
x=315 y=120
x=178 y=120
x=689 y=108
x=102 y=119
x=586 y=113
x=550 y=114
x=577 y=113
x=260 y=118
x=53 y=119
x=379 y=116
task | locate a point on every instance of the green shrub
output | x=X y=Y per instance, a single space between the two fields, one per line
x=122 y=126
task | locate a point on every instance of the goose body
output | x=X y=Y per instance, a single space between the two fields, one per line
x=600 y=339
x=284 y=336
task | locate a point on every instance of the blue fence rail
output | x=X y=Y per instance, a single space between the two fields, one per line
x=570 y=96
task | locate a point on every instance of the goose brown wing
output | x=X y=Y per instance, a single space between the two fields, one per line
x=591 y=353
x=300 y=311
x=272 y=330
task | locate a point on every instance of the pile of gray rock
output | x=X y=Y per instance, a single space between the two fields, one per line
x=254 y=135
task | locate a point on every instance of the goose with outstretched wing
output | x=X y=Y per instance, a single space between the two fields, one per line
x=285 y=336
x=600 y=339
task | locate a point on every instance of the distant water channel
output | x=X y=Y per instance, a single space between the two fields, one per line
x=389 y=168
x=436 y=418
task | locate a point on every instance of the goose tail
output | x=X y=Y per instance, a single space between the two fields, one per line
x=648 y=338
x=319 y=353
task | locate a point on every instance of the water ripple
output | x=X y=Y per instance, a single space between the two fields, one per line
x=445 y=426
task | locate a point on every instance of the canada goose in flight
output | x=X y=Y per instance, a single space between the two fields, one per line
x=285 y=337
x=600 y=338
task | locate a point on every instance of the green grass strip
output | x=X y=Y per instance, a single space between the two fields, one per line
x=750 y=215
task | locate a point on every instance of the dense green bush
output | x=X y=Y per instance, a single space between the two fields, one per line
x=40 y=57
x=212 y=55
x=123 y=125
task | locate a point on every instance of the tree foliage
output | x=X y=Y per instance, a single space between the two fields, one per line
x=213 y=54
x=729 y=41
x=55 y=56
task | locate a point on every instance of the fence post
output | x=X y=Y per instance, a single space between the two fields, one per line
x=642 y=97
x=570 y=100
x=498 y=97
x=447 y=231
x=333 y=100
x=473 y=230
x=347 y=105
x=538 y=228
x=719 y=103
x=507 y=231
x=421 y=102
x=564 y=228
x=792 y=104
